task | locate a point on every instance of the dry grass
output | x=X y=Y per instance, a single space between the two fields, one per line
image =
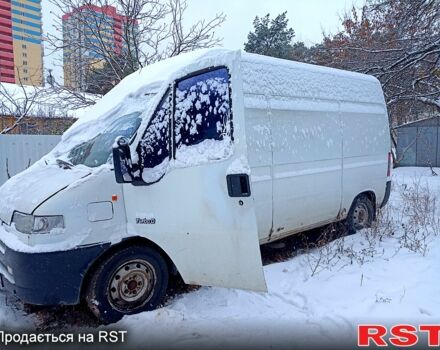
x=410 y=220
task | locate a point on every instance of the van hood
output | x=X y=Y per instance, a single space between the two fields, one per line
x=24 y=192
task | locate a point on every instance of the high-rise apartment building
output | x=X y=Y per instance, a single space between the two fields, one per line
x=21 y=48
x=85 y=31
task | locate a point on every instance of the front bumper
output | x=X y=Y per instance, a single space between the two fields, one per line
x=53 y=278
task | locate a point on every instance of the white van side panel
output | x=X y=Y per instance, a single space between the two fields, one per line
x=259 y=140
x=365 y=151
x=330 y=140
x=307 y=164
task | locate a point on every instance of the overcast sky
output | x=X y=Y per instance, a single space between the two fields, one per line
x=307 y=17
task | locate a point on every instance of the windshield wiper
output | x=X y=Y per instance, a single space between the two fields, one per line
x=63 y=164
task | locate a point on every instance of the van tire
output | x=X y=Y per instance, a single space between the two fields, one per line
x=361 y=214
x=131 y=280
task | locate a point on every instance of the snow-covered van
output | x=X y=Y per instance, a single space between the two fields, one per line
x=187 y=167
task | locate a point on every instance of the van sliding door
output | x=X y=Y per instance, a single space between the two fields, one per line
x=307 y=164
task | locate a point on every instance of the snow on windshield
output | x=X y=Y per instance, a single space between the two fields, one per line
x=98 y=151
x=91 y=143
x=139 y=91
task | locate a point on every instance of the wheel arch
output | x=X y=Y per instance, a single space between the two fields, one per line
x=371 y=195
x=125 y=243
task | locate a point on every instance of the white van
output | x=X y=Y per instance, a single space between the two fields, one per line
x=187 y=166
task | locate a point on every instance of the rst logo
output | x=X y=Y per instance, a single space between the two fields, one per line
x=145 y=221
x=404 y=335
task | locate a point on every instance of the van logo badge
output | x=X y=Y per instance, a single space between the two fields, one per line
x=145 y=221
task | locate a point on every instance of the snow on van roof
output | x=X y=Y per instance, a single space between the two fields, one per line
x=255 y=58
x=141 y=91
x=152 y=77
x=290 y=82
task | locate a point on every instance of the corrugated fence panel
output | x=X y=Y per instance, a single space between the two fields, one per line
x=438 y=147
x=427 y=146
x=418 y=143
x=407 y=146
x=18 y=151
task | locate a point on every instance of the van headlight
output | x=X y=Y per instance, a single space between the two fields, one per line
x=30 y=224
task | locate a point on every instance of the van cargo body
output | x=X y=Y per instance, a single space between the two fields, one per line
x=187 y=166
x=317 y=138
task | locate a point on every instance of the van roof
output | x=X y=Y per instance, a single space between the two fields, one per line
x=255 y=58
x=152 y=78
x=286 y=79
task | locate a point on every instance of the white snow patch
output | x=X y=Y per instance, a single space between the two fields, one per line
x=391 y=287
x=151 y=175
x=16 y=241
x=203 y=152
x=239 y=166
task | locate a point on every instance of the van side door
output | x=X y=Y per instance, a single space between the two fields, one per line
x=307 y=162
x=184 y=204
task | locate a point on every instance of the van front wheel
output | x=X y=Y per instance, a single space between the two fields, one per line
x=361 y=214
x=130 y=281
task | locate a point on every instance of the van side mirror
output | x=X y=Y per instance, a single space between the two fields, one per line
x=122 y=161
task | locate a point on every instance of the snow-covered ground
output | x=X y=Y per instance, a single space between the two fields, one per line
x=319 y=295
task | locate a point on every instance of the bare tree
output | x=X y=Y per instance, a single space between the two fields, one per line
x=398 y=41
x=199 y=35
x=100 y=54
x=16 y=101
x=20 y=104
x=67 y=99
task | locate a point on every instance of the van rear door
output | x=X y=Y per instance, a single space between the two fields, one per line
x=184 y=206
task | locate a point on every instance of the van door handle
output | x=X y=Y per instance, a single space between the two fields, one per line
x=238 y=185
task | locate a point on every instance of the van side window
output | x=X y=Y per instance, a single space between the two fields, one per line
x=203 y=109
x=154 y=148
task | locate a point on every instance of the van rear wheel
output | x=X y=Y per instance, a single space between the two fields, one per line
x=361 y=214
x=130 y=281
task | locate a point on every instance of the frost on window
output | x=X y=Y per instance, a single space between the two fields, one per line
x=154 y=148
x=203 y=111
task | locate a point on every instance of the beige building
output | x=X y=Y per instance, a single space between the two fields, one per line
x=80 y=36
x=21 y=46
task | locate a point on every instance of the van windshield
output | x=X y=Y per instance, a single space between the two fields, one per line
x=98 y=150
